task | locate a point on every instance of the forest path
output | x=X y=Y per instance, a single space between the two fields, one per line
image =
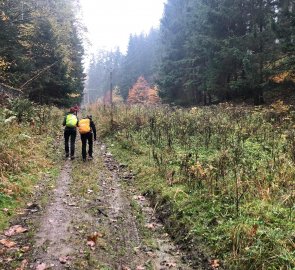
x=94 y=219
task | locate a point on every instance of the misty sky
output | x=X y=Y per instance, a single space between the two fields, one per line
x=110 y=22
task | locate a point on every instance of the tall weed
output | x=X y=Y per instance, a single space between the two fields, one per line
x=27 y=149
x=238 y=160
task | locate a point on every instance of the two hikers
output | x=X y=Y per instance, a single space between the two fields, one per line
x=87 y=130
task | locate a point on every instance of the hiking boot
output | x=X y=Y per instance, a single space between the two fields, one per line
x=72 y=157
x=90 y=157
x=67 y=155
x=84 y=159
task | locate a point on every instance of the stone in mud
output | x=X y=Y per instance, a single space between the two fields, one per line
x=127 y=175
x=108 y=155
x=122 y=165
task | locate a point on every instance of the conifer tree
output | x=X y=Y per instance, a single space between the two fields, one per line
x=45 y=50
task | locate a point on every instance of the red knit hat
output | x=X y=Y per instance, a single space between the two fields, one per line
x=72 y=110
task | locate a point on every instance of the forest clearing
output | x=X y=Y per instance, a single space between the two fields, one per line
x=232 y=204
x=132 y=147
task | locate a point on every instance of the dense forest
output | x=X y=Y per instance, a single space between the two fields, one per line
x=203 y=52
x=207 y=51
x=41 y=50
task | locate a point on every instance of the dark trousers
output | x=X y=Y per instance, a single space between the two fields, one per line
x=70 y=133
x=84 y=138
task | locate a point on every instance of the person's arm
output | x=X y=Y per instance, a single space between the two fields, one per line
x=64 y=122
x=93 y=129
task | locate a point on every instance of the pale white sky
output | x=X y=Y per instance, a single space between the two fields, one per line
x=110 y=22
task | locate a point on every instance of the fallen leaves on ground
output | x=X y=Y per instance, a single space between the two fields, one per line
x=125 y=268
x=16 y=229
x=140 y=267
x=23 y=265
x=151 y=226
x=63 y=259
x=90 y=243
x=25 y=249
x=93 y=237
x=151 y=254
x=215 y=264
x=7 y=243
x=41 y=266
x=139 y=197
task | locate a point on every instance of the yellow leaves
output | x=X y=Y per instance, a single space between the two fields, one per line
x=74 y=95
x=281 y=77
x=4 y=65
x=194 y=110
x=26 y=44
x=3 y=17
x=179 y=191
x=198 y=170
x=243 y=237
x=280 y=107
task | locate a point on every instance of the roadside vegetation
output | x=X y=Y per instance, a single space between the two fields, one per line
x=222 y=176
x=28 y=152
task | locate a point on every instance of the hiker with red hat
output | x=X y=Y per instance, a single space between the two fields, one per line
x=70 y=123
x=76 y=108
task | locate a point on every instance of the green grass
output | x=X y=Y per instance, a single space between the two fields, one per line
x=26 y=157
x=232 y=177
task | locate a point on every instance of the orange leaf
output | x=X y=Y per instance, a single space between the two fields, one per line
x=25 y=249
x=7 y=243
x=16 y=229
x=215 y=264
x=253 y=231
x=94 y=236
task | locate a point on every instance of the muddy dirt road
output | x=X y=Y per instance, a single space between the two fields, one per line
x=91 y=219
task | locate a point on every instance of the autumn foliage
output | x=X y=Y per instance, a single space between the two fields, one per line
x=142 y=93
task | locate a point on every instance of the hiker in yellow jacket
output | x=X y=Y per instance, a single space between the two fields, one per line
x=70 y=122
x=88 y=132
